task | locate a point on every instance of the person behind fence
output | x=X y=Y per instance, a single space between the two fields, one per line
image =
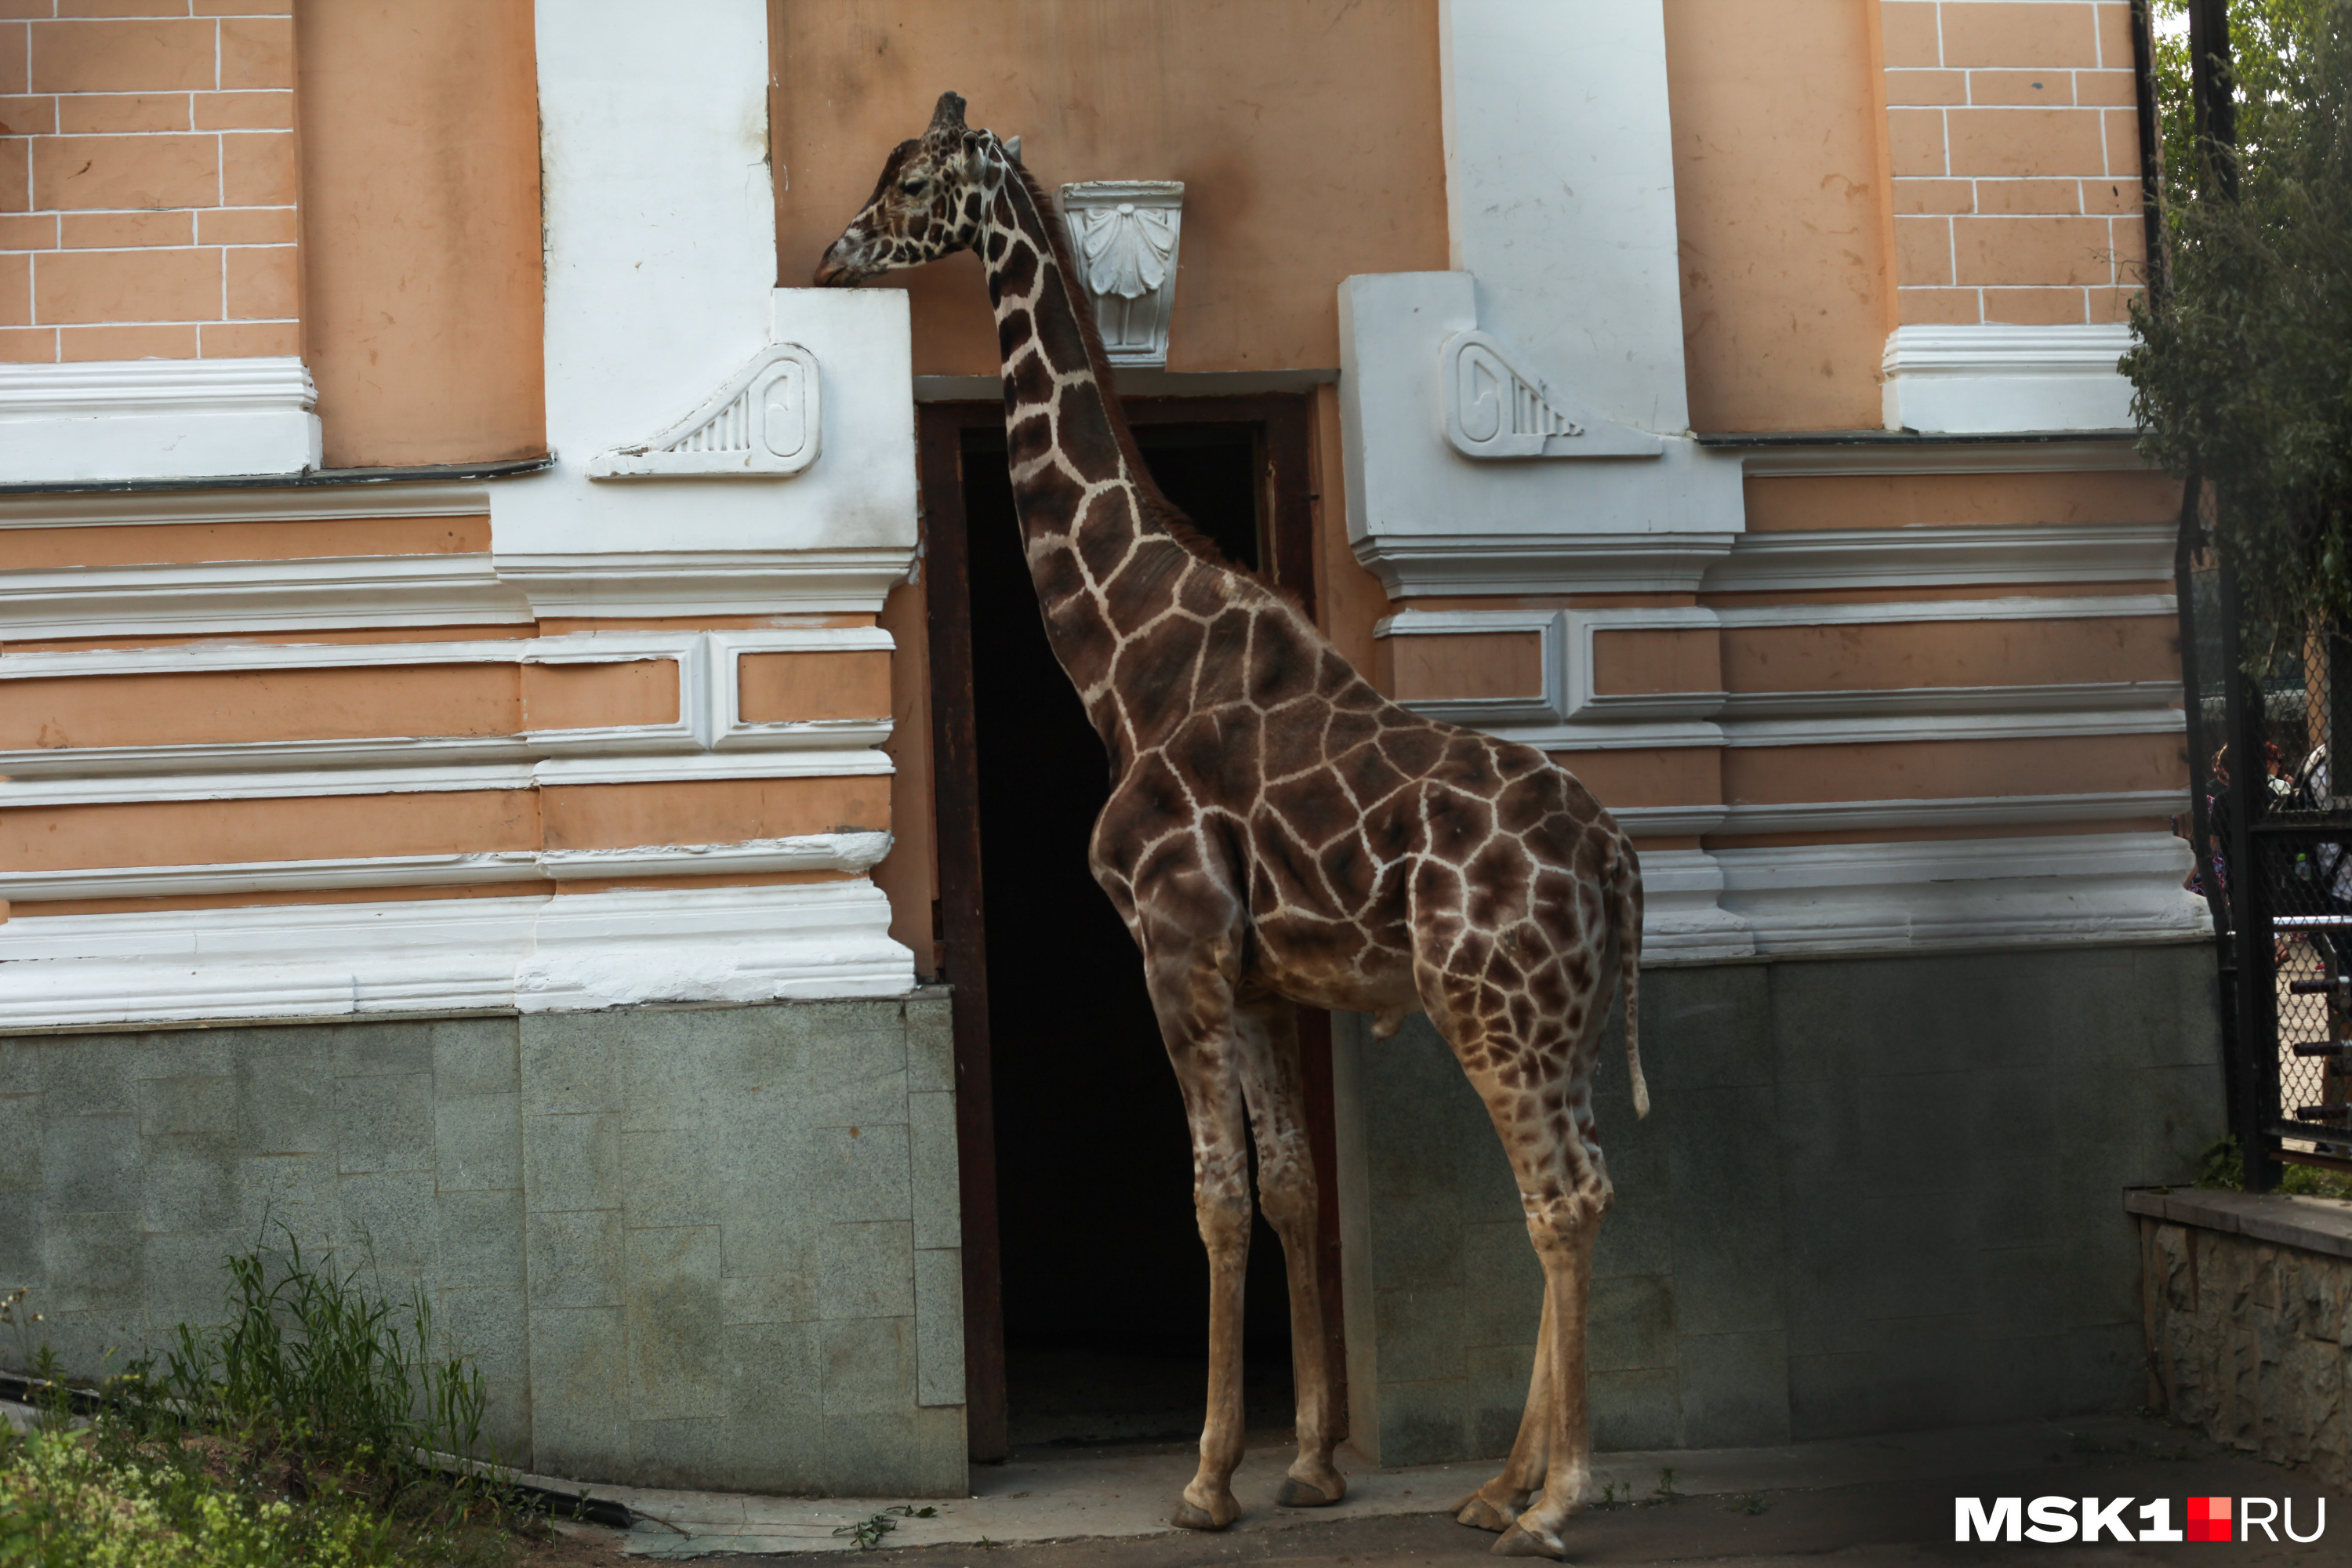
x=2331 y=860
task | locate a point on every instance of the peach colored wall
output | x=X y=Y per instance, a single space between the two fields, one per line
x=777 y=685
x=2016 y=152
x=1688 y=776
x=583 y=696
x=718 y=811
x=137 y=545
x=1463 y=665
x=1911 y=654
x=421 y=229
x=1307 y=133
x=1930 y=770
x=258 y=705
x=226 y=707
x=1687 y=660
x=182 y=832
x=1902 y=500
x=147 y=181
x=1778 y=198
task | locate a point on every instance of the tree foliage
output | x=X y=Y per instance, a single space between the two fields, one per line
x=2244 y=371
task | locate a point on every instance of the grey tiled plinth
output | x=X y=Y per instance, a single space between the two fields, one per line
x=1873 y=1194
x=710 y=1247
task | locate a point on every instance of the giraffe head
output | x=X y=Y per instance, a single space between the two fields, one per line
x=927 y=204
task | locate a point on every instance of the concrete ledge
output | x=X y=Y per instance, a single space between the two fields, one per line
x=2314 y=1225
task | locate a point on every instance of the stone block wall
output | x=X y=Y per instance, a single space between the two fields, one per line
x=2249 y=1322
x=706 y=1246
x=1873 y=1194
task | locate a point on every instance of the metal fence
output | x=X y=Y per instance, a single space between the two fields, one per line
x=2272 y=822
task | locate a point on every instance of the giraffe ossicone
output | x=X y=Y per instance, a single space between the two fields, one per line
x=1278 y=833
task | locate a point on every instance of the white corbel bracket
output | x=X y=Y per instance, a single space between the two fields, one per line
x=761 y=424
x=1124 y=236
x=1496 y=408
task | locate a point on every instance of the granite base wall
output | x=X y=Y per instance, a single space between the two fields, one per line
x=709 y=1246
x=2250 y=1340
x=1873 y=1194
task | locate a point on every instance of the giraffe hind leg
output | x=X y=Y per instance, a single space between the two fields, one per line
x=1494 y=1505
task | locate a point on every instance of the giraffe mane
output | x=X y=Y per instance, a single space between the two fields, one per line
x=1157 y=507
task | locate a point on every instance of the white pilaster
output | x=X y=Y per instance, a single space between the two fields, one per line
x=661 y=265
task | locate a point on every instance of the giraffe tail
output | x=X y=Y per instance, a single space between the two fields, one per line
x=1625 y=911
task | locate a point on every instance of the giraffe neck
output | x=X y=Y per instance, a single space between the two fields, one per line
x=1078 y=483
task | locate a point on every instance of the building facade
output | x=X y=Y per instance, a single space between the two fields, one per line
x=485 y=779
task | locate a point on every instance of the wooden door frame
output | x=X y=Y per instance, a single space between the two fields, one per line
x=1283 y=429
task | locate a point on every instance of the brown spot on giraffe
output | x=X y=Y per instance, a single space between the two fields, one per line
x=1278 y=832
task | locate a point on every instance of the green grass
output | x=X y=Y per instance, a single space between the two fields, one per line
x=302 y=1430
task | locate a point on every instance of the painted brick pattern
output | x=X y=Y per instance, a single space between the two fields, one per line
x=147 y=180
x=2014 y=143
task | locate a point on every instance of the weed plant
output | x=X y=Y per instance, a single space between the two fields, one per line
x=312 y=1426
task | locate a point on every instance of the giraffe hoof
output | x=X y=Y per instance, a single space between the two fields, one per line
x=1480 y=1514
x=1188 y=1517
x=1517 y=1542
x=1296 y=1493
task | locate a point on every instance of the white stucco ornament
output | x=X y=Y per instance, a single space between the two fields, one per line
x=762 y=423
x=1495 y=407
x=1124 y=235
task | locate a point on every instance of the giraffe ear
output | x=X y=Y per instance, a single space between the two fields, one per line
x=948 y=117
x=1013 y=148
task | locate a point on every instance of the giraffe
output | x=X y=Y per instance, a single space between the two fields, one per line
x=1278 y=833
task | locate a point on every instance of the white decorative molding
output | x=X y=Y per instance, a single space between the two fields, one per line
x=1570 y=714
x=1550 y=705
x=1935 y=556
x=539 y=953
x=1124 y=236
x=763 y=422
x=156 y=419
x=858 y=852
x=276 y=503
x=1682 y=920
x=2011 y=608
x=1952 y=893
x=1986 y=379
x=210 y=597
x=1411 y=564
x=1496 y=408
x=706 y=582
x=707 y=740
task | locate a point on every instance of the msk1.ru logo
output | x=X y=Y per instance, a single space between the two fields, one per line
x=2051 y=1519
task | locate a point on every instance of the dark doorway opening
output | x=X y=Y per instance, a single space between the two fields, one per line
x=1106 y=1284
x=1083 y=1217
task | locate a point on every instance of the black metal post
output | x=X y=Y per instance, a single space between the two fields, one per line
x=2254 y=1065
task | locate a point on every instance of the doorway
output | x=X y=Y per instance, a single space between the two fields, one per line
x=1093 y=1329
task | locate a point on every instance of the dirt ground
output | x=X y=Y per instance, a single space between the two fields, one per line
x=1893 y=1524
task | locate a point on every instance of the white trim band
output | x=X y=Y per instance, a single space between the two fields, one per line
x=856 y=852
x=540 y=954
x=156 y=419
x=1988 y=379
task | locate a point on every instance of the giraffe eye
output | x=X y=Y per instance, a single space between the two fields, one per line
x=912 y=187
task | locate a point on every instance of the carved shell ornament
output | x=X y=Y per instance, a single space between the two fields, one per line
x=1126 y=249
x=1125 y=239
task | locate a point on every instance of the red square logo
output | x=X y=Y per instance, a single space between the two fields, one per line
x=2208 y=1519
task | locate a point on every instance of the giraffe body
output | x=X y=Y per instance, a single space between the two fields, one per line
x=1280 y=833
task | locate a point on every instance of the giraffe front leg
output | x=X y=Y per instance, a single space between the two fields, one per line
x=1288 y=1195
x=1221 y=1202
